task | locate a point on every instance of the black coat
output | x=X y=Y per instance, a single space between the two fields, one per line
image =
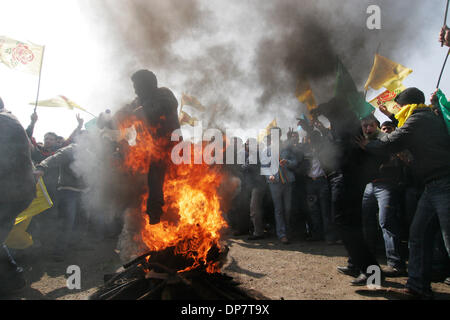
x=17 y=183
x=425 y=136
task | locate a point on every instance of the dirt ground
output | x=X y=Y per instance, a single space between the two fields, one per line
x=298 y=271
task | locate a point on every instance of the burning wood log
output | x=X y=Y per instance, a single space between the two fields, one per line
x=158 y=276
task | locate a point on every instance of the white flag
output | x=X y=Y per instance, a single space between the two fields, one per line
x=21 y=56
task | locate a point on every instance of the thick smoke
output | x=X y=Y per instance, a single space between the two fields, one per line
x=243 y=59
x=308 y=36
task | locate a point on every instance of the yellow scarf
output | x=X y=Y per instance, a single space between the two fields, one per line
x=407 y=111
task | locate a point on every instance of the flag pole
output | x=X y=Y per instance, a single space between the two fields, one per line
x=90 y=113
x=442 y=70
x=39 y=82
x=442 y=44
x=445 y=19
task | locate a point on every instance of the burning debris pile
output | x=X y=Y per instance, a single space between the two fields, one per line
x=154 y=276
x=180 y=257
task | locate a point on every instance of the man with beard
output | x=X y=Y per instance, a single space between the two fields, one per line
x=347 y=186
x=17 y=191
x=159 y=107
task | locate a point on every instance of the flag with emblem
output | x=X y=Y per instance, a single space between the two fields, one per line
x=387 y=99
x=21 y=56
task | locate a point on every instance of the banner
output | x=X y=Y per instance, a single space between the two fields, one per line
x=387 y=99
x=58 y=102
x=266 y=132
x=18 y=238
x=21 y=56
x=305 y=94
x=345 y=88
x=386 y=73
x=191 y=101
x=186 y=119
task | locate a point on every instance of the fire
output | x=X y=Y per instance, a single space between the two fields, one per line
x=192 y=219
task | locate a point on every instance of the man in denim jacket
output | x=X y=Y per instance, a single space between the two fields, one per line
x=280 y=184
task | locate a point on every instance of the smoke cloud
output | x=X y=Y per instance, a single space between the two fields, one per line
x=243 y=59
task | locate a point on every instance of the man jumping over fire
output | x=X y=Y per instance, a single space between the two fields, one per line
x=159 y=108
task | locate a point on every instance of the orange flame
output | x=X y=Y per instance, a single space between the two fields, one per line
x=192 y=218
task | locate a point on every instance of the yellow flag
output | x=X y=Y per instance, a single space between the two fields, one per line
x=386 y=73
x=266 y=132
x=305 y=94
x=187 y=100
x=17 y=55
x=387 y=99
x=59 y=102
x=186 y=119
x=18 y=238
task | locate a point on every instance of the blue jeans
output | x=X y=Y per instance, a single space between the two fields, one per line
x=68 y=207
x=382 y=198
x=282 y=202
x=319 y=209
x=433 y=211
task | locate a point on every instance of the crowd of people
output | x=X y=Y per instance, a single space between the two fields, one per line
x=366 y=185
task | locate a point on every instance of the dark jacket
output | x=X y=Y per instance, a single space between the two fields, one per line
x=161 y=113
x=383 y=167
x=64 y=159
x=16 y=169
x=426 y=137
x=251 y=173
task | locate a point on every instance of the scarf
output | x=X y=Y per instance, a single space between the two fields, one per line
x=407 y=111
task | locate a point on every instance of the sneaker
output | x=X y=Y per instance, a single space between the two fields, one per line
x=284 y=240
x=349 y=271
x=393 y=272
x=447 y=281
x=361 y=280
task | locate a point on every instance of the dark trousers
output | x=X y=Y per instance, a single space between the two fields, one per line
x=156 y=176
x=319 y=209
x=8 y=213
x=346 y=199
x=432 y=216
x=69 y=207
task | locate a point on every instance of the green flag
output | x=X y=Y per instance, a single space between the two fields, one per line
x=445 y=108
x=345 y=88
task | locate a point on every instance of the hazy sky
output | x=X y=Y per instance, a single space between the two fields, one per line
x=87 y=61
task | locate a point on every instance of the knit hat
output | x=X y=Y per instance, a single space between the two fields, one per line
x=388 y=124
x=410 y=96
